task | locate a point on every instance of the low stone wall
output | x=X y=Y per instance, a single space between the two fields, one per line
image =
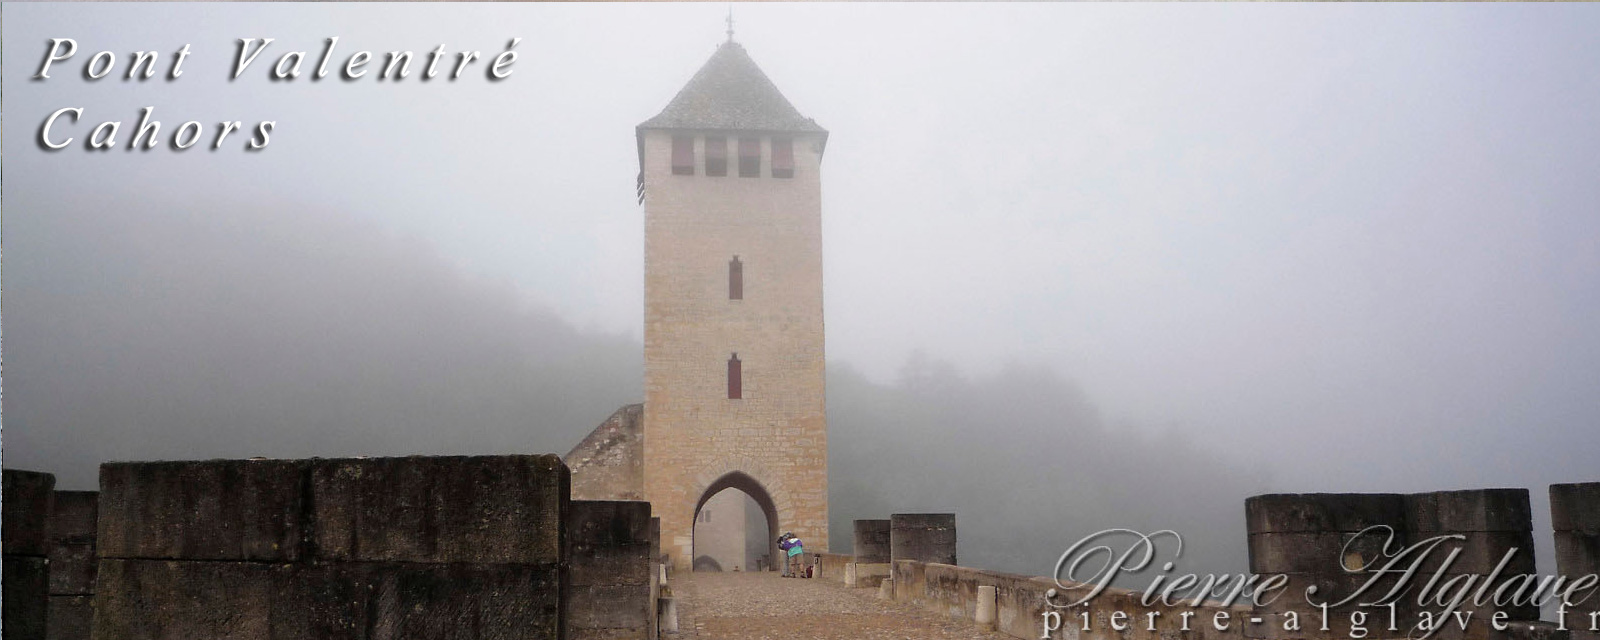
x=1021 y=609
x=865 y=575
x=1310 y=539
x=831 y=566
x=840 y=567
x=492 y=547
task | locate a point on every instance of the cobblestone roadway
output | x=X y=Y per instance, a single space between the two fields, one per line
x=763 y=606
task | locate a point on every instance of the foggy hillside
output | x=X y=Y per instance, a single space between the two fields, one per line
x=225 y=332
x=1028 y=465
x=218 y=332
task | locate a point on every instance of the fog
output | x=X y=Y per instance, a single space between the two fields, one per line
x=1086 y=266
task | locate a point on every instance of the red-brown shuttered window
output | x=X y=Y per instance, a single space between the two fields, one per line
x=749 y=157
x=783 y=157
x=735 y=279
x=682 y=155
x=716 y=156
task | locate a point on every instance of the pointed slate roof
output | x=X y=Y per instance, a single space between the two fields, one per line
x=731 y=93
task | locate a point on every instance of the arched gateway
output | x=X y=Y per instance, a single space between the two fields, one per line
x=743 y=484
x=729 y=175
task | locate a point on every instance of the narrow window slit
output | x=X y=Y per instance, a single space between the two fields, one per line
x=683 y=155
x=749 y=157
x=716 y=156
x=783 y=157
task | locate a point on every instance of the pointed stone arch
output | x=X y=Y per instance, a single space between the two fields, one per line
x=749 y=485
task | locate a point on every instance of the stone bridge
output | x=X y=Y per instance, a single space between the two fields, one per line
x=494 y=548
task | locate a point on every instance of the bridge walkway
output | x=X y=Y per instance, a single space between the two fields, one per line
x=764 y=606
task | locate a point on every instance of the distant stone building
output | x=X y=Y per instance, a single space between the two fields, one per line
x=734 y=365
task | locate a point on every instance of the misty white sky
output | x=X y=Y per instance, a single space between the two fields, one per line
x=1357 y=245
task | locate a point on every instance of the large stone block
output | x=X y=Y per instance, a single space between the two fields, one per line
x=1578 y=554
x=73 y=517
x=1575 y=507
x=871 y=541
x=923 y=537
x=1480 y=552
x=608 y=543
x=1318 y=541
x=26 y=512
x=1471 y=510
x=1323 y=512
x=71 y=617
x=72 y=570
x=606 y=610
x=1296 y=552
x=1314 y=540
x=203 y=510
x=25 y=611
x=151 y=599
x=610 y=572
x=462 y=602
x=487 y=509
x=609 y=523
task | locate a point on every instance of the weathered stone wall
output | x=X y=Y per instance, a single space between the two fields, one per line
x=1020 y=606
x=72 y=564
x=923 y=537
x=777 y=432
x=1494 y=522
x=1575 y=517
x=609 y=463
x=358 y=549
x=1303 y=536
x=26 y=514
x=610 y=588
x=1312 y=539
x=830 y=566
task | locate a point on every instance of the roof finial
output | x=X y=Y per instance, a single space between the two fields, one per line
x=730 y=23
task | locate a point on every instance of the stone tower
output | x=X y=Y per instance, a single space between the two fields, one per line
x=733 y=340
